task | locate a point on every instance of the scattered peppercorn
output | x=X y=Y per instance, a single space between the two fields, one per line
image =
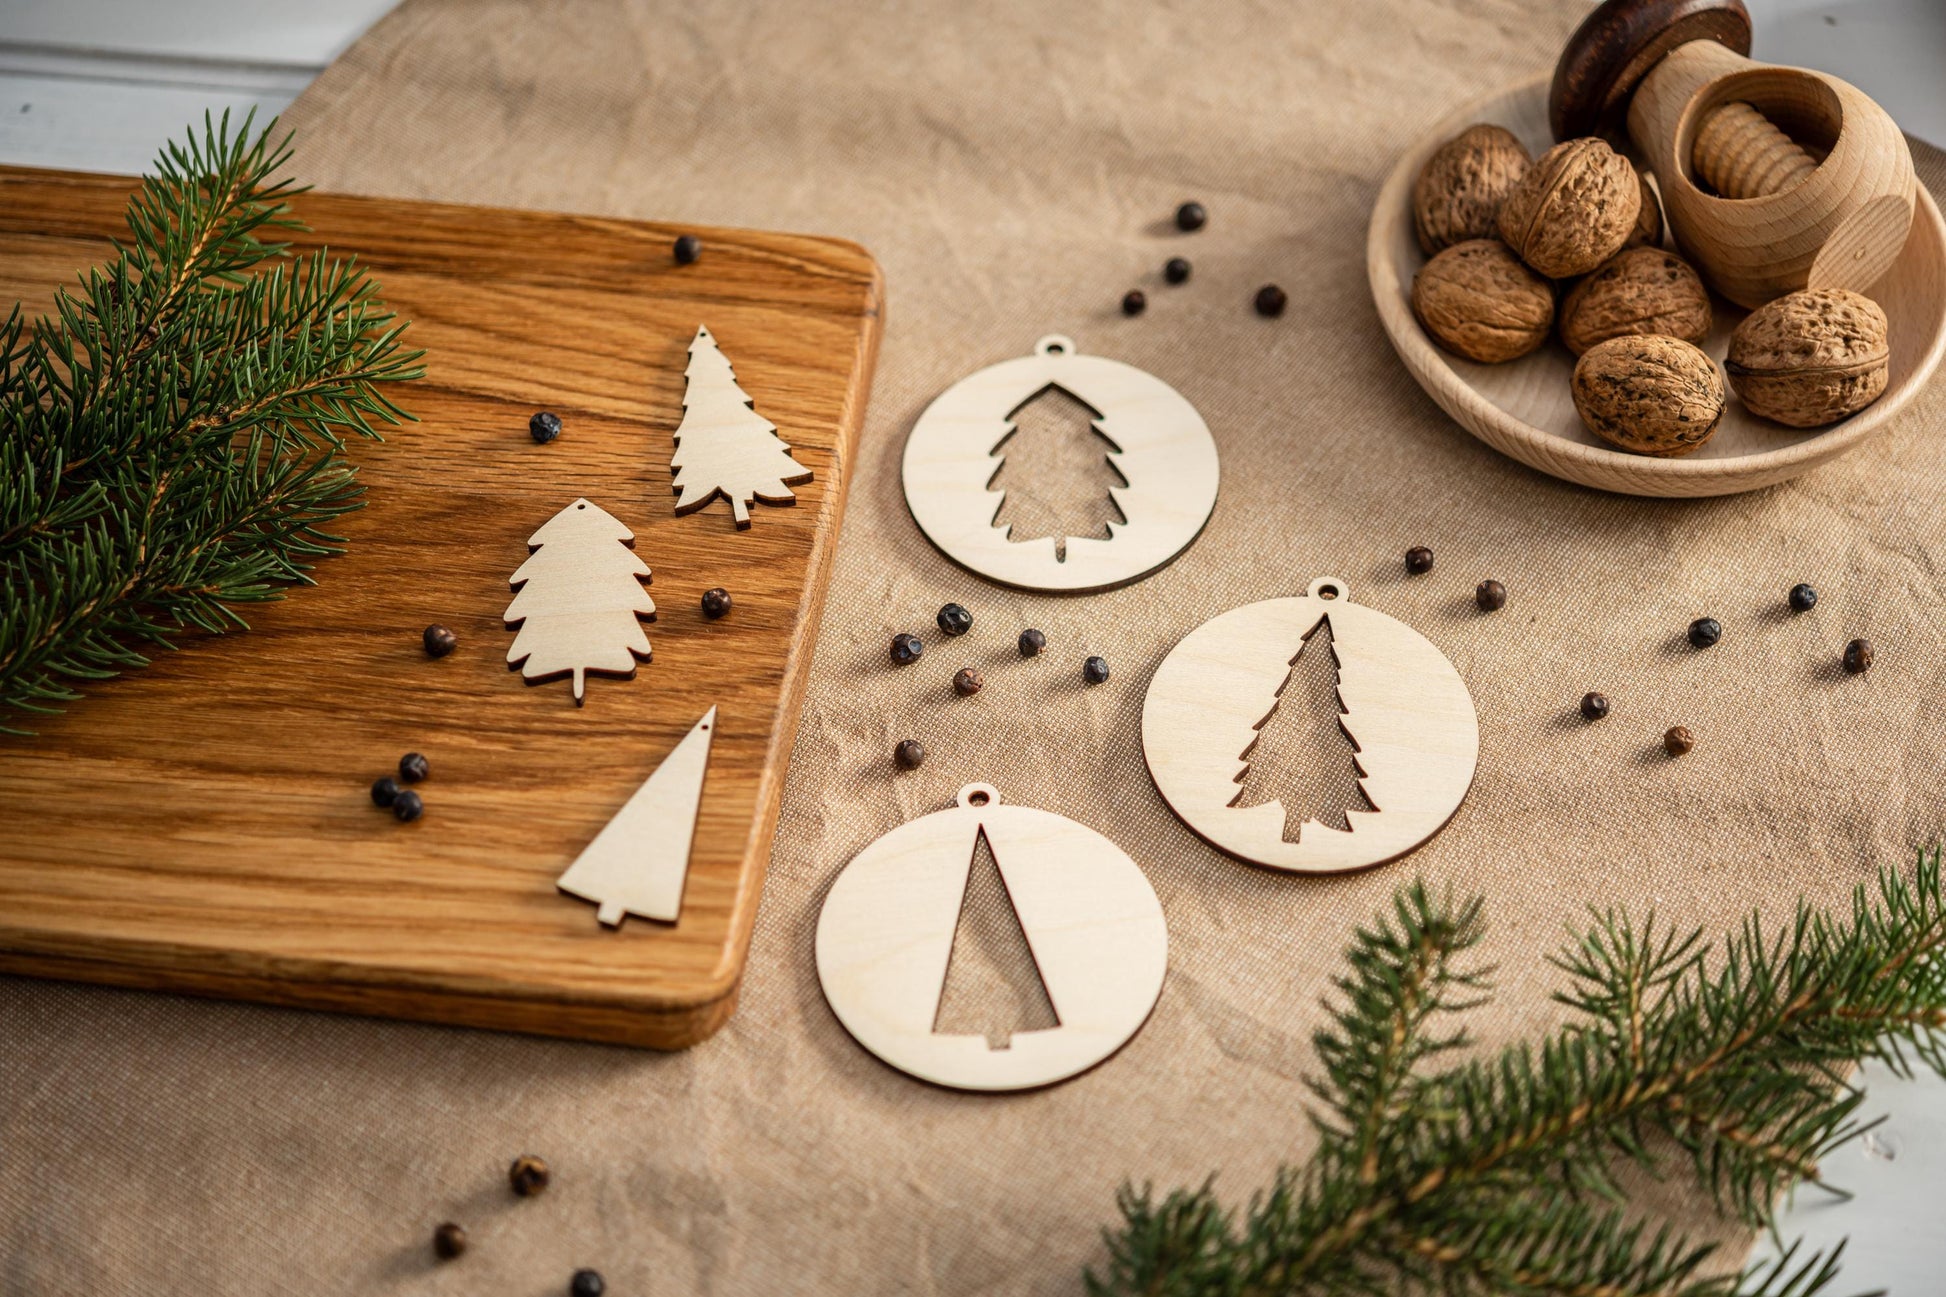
x=1593 y=706
x=1418 y=560
x=586 y=1283
x=1803 y=598
x=910 y=754
x=439 y=641
x=1191 y=217
x=1270 y=301
x=688 y=248
x=1704 y=632
x=448 y=1241
x=408 y=806
x=1678 y=741
x=544 y=427
x=906 y=649
x=1032 y=643
x=413 y=768
x=955 y=620
x=1095 y=671
x=1490 y=595
x=967 y=682
x=385 y=791
x=528 y=1175
x=1858 y=656
x=1134 y=302
x=716 y=602
x=1176 y=270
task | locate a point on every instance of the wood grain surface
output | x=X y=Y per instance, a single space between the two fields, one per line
x=204 y=825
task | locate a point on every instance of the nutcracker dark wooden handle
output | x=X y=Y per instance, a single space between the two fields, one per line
x=1616 y=46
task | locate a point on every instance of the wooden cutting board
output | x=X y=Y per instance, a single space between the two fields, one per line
x=205 y=826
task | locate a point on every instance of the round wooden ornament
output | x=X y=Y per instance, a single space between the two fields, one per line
x=1159 y=445
x=1403 y=706
x=1090 y=918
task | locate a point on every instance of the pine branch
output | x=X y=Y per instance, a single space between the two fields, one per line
x=1498 y=1175
x=171 y=434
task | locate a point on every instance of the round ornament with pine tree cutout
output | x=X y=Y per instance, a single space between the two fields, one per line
x=723 y=446
x=1404 y=710
x=579 y=602
x=1091 y=923
x=1156 y=445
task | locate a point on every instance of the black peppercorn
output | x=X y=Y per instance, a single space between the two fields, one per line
x=408 y=806
x=1858 y=656
x=1032 y=643
x=1134 y=302
x=967 y=682
x=1418 y=560
x=544 y=427
x=439 y=641
x=586 y=1283
x=1803 y=598
x=1678 y=741
x=1176 y=270
x=528 y=1175
x=688 y=248
x=906 y=649
x=1704 y=632
x=955 y=620
x=910 y=754
x=413 y=768
x=1593 y=706
x=1490 y=595
x=1191 y=216
x=448 y=1241
x=716 y=602
x=1095 y=671
x=1270 y=301
x=385 y=791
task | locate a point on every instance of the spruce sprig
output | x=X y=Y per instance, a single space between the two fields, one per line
x=1500 y=1175
x=171 y=434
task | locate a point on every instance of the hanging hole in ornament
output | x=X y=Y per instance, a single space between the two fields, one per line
x=1328 y=587
x=977 y=795
x=1055 y=344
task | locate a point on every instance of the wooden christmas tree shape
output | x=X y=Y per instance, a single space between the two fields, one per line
x=992 y=988
x=639 y=861
x=580 y=598
x=1057 y=473
x=723 y=446
x=1304 y=752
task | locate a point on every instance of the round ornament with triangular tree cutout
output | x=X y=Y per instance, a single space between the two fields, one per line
x=1090 y=919
x=1155 y=441
x=1404 y=709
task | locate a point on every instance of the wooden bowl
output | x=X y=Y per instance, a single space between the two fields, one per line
x=1523 y=408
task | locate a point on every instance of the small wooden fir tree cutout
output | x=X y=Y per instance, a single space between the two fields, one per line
x=723 y=446
x=1057 y=473
x=580 y=599
x=1304 y=753
x=639 y=861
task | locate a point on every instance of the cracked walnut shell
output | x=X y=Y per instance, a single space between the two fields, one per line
x=1478 y=301
x=1574 y=209
x=1462 y=185
x=1811 y=357
x=1650 y=394
x=1636 y=291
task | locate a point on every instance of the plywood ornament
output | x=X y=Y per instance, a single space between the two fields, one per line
x=1403 y=706
x=639 y=861
x=1091 y=921
x=723 y=446
x=1158 y=444
x=580 y=599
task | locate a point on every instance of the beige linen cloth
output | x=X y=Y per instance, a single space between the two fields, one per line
x=1013 y=165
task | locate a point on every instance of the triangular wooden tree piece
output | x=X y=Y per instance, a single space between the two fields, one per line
x=639 y=861
x=723 y=446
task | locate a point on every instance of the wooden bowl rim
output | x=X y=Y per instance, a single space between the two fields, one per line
x=1430 y=367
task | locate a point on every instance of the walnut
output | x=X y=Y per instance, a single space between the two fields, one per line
x=1648 y=225
x=1811 y=357
x=1638 y=290
x=1573 y=210
x=1478 y=301
x=1463 y=183
x=1655 y=395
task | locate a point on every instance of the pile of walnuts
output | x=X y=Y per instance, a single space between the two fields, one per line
x=1508 y=233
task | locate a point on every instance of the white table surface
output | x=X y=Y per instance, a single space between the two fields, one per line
x=96 y=85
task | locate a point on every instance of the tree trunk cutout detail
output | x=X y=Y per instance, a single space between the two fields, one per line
x=723 y=446
x=1309 y=765
x=580 y=599
x=1058 y=472
x=993 y=987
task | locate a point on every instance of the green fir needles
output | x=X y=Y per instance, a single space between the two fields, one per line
x=1506 y=1174
x=171 y=436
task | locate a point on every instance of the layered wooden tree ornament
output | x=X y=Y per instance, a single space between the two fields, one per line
x=723 y=446
x=1090 y=919
x=1403 y=706
x=639 y=861
x=1156 y=442
x=580 y=600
